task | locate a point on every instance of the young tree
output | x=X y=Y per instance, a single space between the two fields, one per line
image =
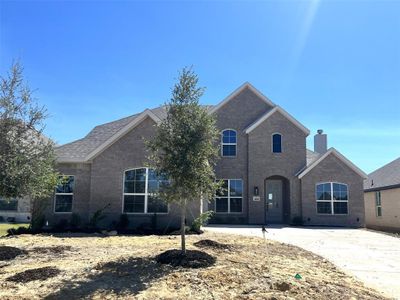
x=27 y=158
x=184 y=147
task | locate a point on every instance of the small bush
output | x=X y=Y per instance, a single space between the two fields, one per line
x=297 y=221
x=201 y=221
x=75 y=221
x=1 y=219
x=19 y=230
x=97 y=217
x=62 y=225
x=123 y=222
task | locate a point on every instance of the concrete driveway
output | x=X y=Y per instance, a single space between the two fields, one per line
x=372 y=257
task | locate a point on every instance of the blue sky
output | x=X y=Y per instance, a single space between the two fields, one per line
x=333 y=65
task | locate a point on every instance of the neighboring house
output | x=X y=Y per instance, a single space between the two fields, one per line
x=382 y=198
x=269 y=175
x=15 y=209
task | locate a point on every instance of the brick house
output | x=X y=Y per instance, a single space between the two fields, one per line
x=269 y=175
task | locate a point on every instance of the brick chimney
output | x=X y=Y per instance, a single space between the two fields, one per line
x=320 y=142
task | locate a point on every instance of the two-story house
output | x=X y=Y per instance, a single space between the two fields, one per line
x=269 y=174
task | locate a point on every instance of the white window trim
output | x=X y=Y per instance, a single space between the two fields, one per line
x=272 y=143
x=228 y=144
x=380 y=204
x=70 y=194
x=332 y=201
x=229 y=198
x=145 y=194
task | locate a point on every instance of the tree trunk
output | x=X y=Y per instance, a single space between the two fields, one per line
x=183 y=238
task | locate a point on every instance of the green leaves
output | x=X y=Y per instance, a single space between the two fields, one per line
x=27 y=158
x=185 y=144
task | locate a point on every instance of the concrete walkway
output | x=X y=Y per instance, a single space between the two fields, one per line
x=372 y=257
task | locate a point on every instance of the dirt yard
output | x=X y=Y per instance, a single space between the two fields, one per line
x=96 y=267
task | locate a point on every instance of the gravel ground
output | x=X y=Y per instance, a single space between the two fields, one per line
x=95 y=267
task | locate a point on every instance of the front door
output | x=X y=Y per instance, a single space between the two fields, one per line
x=273 y=201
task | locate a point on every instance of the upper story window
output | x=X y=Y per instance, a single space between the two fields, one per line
x=378 y=204
x=141 y=188
x=229 y=198
x=8 y=204
x=276 y=143
x=332 y=198
x=64 y=194
x=229 y=142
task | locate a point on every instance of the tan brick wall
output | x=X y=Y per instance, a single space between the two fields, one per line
x=390 y=219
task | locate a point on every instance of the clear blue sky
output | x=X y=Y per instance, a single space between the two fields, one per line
x=334 y=65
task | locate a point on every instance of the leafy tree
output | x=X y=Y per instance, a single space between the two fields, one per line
x=184 y=147
x=27 y=158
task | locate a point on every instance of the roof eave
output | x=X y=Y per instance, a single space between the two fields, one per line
x=284 y=113
x=338 y=155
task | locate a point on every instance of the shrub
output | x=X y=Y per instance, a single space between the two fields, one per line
x=62 y=225
x=19 y=230
x=75 y=221
x=297 y=221
x=1 y=219
x=123 y=222
x=97 y=217
x=201 y=221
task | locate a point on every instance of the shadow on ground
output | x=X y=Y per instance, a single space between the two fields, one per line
x=127 y=276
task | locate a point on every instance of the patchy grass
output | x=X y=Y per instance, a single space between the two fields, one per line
x=5 y=226
x=82 y=266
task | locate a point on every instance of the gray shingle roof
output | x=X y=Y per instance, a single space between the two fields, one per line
x=80 y=149
x=312 y=156
x=386 y=176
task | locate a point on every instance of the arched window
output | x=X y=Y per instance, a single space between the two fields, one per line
x=276 y=143
x=141 y=188
x=229 y=142
x=332 y=198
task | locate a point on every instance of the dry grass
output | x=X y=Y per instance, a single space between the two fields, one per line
x=124 y=267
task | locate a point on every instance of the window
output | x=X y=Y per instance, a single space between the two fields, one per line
x=378 y=204
x=8 y=204
x=64 y=194
x=229 y=142
x=229 y=198
x=332 y=198
x=141 y=189
x=276 y=143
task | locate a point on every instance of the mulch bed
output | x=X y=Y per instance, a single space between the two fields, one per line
x=213 y=245
x=193 y=259
x=9 y=253
x=35 y=274
x=51 y=250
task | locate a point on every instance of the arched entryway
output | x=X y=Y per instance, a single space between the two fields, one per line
x=277 y=200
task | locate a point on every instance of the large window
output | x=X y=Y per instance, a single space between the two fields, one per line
x=64 y=194
x=276 y=143
x=332 y=198
x=229 y=198
x=141 y=191
x=8 y=204
x=378 y=204
x=229 y=142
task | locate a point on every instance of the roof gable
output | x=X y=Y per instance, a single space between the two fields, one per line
x=333 y=151
x=135 y=122
x=236 y=92
x=273 y=111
